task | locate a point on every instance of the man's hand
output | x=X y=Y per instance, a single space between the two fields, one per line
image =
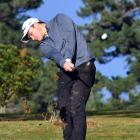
x=68 y=66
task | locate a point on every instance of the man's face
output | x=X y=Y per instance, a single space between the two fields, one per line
x=35 y=32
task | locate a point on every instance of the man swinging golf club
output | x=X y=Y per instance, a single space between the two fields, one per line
x=61 y=41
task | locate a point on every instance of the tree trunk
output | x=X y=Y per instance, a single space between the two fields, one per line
x=3 y=109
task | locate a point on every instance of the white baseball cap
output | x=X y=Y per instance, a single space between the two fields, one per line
x=25 y=28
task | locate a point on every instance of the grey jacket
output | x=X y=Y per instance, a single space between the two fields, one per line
x=64 y=41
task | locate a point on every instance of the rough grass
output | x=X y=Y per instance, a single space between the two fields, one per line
x=102 y=126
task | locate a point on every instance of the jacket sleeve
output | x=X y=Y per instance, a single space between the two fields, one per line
x=52 y=53
x=67 y=31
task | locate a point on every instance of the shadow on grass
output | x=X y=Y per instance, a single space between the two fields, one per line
x=31 y=116
x=120 y=113
x=19 y=117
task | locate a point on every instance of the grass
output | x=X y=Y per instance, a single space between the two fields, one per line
x=101 y=126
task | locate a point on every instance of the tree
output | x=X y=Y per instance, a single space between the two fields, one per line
x=119 y=19
x=45 y=87
x=17 y=70
x=117 y=86
x=11 y=18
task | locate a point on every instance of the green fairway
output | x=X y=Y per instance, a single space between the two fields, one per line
x=120 y=126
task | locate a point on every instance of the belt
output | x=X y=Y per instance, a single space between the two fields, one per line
x=85 y=64
x=88 y=62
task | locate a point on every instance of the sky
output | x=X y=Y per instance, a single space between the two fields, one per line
x=50 y=8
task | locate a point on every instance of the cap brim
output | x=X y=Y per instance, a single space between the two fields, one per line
x=25 y=39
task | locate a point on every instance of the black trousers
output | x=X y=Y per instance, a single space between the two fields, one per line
x=73 y=92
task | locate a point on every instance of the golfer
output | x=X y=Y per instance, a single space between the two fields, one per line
x=61 y=41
